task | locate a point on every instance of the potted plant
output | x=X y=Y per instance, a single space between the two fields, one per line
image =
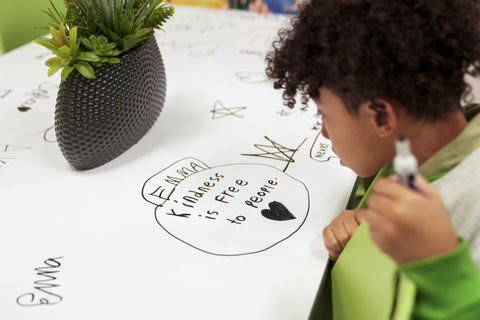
x=113 y=79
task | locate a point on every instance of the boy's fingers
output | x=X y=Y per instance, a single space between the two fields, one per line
x=393 y=178
x=342 y=228
x=378 y=204
x=360 y=217
x=342 y=237
x=374 y=219
x=389 y=188
x=335 y=254
x=331 y=241
x=392 y=188
x=350 y=224
x=424 y=187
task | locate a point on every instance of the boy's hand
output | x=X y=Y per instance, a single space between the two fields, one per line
x=409 y=224
x=341 y=229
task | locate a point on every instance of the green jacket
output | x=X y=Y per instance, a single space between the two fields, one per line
x=447 y=285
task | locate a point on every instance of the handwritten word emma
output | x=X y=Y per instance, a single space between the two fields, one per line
x=173 y=175
x=43 y=286
x=258 y=197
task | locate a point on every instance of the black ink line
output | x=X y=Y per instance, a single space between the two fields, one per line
x=181 y=215
x=52 y=86
x=3 y=162
x=45 y=132
x=6 y=92
x=291 y=158
x=9 y=147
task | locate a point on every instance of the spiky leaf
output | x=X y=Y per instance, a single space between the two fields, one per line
x=159 y=16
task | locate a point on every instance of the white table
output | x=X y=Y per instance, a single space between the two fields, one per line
x=87 y=244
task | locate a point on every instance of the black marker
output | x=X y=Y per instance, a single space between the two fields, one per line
x=405 y=163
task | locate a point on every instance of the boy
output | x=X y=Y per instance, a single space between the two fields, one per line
x=377 y=69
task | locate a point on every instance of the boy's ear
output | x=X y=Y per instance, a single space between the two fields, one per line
x=383 y=115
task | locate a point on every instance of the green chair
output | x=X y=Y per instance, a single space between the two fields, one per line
x=18 y=20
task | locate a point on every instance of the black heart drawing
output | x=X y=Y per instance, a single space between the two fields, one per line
x=277 y=212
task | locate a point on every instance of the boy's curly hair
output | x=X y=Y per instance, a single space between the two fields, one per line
x=412 y=53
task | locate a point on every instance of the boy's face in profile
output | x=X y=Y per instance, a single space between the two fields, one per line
x=354 y=137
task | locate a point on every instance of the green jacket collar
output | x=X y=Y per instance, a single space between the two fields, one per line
x=457 y=149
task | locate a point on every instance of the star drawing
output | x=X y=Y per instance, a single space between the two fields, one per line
x=276 y=151
x=220 y=111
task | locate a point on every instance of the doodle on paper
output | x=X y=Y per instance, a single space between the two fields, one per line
x=227 y=210
x=276 y=151
x=321 y=150
x=220 y=111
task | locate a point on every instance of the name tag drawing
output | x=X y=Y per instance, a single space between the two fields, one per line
x=321 y=150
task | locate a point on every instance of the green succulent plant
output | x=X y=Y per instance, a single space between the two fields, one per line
x=100 y=46
x=67 y=53
x=93 y=32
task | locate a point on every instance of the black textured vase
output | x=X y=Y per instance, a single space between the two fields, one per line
x=96 y=120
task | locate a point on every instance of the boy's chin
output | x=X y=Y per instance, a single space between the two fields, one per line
x=358 y=171
x=361 y=173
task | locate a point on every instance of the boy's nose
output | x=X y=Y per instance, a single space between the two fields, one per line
x=325 y=133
